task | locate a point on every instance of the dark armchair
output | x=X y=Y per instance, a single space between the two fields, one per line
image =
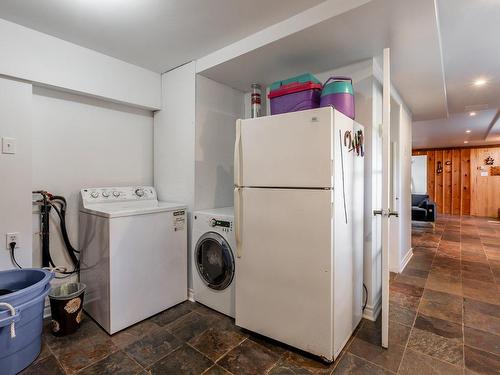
x=423 y=208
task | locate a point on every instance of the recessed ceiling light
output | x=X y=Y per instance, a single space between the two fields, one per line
x=466 y=141
x=467 y=131
x=480 y=82
x=472 y=113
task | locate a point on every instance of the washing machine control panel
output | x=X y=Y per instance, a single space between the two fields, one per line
x=224 y=224
x=118 y=194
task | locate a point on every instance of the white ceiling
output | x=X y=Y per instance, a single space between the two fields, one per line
x=471 y=49
x=155 y=34
x=430 y=134
x=407 y=26
x=469 y=31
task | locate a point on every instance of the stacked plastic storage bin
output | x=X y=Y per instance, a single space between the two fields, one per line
x=295 y=94
x=338 y=93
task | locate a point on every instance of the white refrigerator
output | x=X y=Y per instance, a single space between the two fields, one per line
x=299 y=229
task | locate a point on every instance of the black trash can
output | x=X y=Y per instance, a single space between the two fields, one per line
x=66 y=307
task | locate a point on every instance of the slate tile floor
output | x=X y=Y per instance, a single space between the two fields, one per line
x=444 y=319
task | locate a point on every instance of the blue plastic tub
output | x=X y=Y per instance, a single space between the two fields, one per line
x=29 y=288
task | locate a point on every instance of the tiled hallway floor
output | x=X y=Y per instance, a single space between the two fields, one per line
x=444 y=319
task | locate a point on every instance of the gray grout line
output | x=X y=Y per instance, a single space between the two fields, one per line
x=199 y=351
x=214 y=365
x=99 y=360
x=133 y=359
x=234 y=347
x=372 y=363
x=345 y=350
x=55 y=357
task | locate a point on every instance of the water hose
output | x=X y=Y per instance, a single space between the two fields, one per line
x=58 y=203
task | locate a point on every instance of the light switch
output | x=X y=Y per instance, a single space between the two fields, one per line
x=8 y=145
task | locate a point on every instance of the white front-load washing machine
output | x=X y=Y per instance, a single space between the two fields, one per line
x=213 y=253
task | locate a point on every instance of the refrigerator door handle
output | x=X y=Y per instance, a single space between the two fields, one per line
x=237 y=155
x=237 y=220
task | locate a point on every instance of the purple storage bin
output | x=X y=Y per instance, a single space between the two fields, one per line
x=342 y=102
x=295 y=96
x=338 y=93
x=297 y=101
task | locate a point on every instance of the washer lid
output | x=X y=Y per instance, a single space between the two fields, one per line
x=112 y=210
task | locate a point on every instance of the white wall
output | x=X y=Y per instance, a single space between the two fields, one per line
x=400 y=242
x=174 y=136
x=217 y=109
x=373 y=226
x=419 y=174
x=174 y=141
x=405 y=187
x=84 y=142
x=404 y=150
x=15 y=170
x=44 y=59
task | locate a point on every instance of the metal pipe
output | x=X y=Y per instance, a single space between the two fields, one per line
x=45 y=231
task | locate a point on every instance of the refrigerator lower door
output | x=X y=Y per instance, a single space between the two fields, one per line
x=284 y=278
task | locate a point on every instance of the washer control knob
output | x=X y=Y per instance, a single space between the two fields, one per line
x=116 y=194
x=139 y=192
x=105 y=194
x=94 y=194
x=213 y=222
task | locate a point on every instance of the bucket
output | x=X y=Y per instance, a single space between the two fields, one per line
x=295 y=94
x=66 y=307
x=21 y=328
x=339 y=94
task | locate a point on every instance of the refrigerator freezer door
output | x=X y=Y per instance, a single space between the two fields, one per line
x=284 y=278
x=289 y=150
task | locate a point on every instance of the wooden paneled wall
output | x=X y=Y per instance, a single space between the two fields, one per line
x=461 y=188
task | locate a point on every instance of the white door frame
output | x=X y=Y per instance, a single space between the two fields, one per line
x=386 y=193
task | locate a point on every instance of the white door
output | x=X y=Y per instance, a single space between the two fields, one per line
x=288 y=150
x=284 y=263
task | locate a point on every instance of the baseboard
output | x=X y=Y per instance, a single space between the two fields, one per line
x=191 y=295
x=371 y=312
x=406 y=260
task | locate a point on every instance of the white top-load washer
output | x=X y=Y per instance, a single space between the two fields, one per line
x=133 y=254
x=213 y=263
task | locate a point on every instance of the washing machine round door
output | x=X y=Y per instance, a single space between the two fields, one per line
x=214 y=261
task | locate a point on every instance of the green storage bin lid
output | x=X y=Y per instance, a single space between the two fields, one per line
x=303 y=78
x=337 y=87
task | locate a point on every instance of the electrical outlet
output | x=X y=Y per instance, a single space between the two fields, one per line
x=12 y=237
